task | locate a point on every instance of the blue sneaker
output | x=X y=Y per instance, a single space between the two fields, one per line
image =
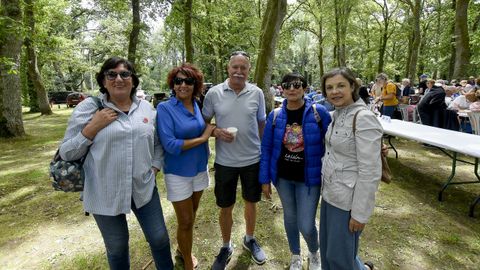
x=222 y=258
x=258 y=256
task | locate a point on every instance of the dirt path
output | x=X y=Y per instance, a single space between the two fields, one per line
x=50 y=244
x=53 y=243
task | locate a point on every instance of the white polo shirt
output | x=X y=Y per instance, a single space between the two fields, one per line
x=243 y=111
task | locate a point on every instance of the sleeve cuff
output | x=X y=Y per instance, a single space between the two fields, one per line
x=157 y=164
x=81 y=140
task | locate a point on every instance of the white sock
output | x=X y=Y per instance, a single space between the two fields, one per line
x=248 y=237
x=228 y=244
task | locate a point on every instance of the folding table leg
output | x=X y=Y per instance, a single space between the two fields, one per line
x=472 y=207
x=454 y=166
x=391 y=145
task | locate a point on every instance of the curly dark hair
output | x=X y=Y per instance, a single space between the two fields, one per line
x=188 y=70
x=112 y=63
x=348 y=75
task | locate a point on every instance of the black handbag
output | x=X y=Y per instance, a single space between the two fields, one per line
x=68 y=176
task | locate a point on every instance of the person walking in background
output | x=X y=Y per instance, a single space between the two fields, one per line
x=351 y=172
x=388 y=97
x=239 y=104
x=124 y=156
x=184 y=136
x=292 y=149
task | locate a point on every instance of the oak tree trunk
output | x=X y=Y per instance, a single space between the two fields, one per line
x=415 y=7
x=462 y=40
x=342 y=10
x=451 y=64
x=33 y=71
x=136 y=26
x=271 y=25
x=384 y=38
x=188 y=30
x=11 y=123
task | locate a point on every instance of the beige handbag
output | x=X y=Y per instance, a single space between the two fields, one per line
x=386 y=172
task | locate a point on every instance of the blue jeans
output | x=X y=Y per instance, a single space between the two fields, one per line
x=388 y=110
x=299 y=204
x=114 y=231
x=338 y=246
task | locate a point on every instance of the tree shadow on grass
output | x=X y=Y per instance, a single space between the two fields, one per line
x=411 y=229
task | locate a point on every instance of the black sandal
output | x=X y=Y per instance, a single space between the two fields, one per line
x=369 y=264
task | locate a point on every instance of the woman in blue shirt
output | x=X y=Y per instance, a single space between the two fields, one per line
x=184 y=136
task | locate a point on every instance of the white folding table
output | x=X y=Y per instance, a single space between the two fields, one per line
x=445 y=140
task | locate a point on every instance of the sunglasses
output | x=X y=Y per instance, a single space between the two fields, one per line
x=112 y=75
x=187 y=81
x=235 y=53
x=295 y=85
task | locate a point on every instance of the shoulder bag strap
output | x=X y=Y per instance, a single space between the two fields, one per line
x=98 y=102
x=276 y=111
x=354 y=125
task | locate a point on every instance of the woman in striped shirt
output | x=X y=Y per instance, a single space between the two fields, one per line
x=124 y=156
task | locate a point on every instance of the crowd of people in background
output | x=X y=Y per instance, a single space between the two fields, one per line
x=306 y=148
x=437 y=102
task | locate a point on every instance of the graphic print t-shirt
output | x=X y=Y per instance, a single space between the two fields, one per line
x=292 y=158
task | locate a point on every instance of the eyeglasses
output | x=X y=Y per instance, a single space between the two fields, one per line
x=187 y=81
x=235 y=53
x=112 y=75
x=295 y=85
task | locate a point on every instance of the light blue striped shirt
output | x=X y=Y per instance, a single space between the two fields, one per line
x=118 y=165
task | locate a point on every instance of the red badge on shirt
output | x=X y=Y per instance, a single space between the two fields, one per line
x=145 y=120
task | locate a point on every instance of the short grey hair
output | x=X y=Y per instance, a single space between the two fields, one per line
x=244 y=56
x=382 y=76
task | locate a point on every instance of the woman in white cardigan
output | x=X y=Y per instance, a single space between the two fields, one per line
x=351 y=172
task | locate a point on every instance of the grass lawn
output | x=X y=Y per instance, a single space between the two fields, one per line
x=410 y=229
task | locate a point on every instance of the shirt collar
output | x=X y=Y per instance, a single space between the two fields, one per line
x=135 y=102
x=226 y=87
x=174 y=100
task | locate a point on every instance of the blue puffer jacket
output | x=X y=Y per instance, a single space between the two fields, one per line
x=313 y=135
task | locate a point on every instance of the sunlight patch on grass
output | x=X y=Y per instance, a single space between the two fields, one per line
x=25 y=167
x=18 y=194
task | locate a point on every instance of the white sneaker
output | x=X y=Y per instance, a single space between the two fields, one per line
x=314 y=262
x=296 y=262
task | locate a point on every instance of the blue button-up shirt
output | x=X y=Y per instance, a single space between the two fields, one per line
x=118 y=164
x=176 y=124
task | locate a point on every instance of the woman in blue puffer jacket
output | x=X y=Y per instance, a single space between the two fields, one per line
x=291 y=159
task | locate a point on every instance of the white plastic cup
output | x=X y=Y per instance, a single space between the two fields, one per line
x=233 y=131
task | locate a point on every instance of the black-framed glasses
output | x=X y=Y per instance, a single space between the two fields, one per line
x=112 y=75
x=295 y=85
x=243 y=53
x=187 y=81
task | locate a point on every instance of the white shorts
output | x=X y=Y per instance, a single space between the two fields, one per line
x=180 y=188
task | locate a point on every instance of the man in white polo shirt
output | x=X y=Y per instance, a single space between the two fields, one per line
x=237 y=103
